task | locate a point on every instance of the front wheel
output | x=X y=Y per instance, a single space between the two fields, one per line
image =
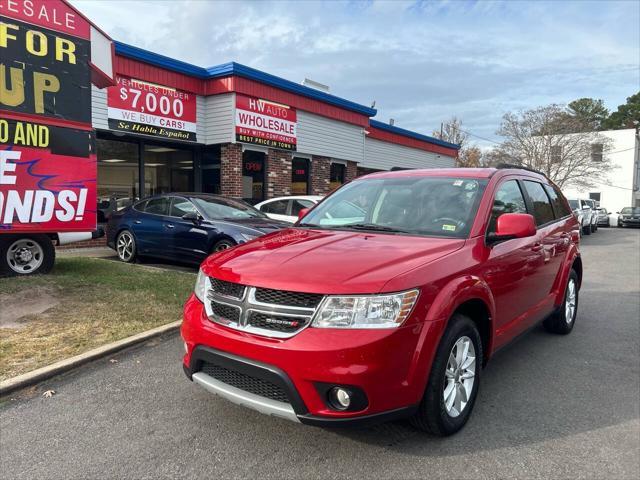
x=126 y=246
x=26 y=255
x=564 y=319
x=454 y=380
x=222 y=245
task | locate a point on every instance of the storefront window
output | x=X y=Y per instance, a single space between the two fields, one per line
x=337 y=175
x=253 y=167
x=118 y=170
x=211 y=169
x=299 y=176
x=167 y=170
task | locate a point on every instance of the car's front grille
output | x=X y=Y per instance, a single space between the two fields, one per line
x=264 y=311
x=277 y=323
x=283 y=297
x=227 y=289
x=227 y=312
x=246 y=382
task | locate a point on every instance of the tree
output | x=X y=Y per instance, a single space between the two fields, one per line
x=589 y=113
x=452 y=132
x=625 y=116
x=542 y=139
x=470 y=157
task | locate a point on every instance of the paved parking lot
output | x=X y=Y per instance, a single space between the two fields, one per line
x=549 y=407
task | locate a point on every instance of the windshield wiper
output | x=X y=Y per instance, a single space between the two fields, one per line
x=374 y=228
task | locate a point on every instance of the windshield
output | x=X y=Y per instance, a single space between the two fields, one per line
x=431 y=206
x=574 y=204
x=218 y=208
x=630 y=211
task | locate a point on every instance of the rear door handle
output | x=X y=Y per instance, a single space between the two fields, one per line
x=536 y=247
x=138 y=222
x=169 y=225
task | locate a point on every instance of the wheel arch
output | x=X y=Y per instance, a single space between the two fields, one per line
x=478 y=311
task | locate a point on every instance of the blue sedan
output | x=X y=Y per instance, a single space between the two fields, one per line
x=185 y=227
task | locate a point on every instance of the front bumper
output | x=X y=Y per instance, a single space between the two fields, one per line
x=629 y=222
x=389 y=367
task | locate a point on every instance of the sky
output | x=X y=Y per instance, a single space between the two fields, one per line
x=422 y=62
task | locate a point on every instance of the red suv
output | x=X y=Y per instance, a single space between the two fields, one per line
x=387 y=298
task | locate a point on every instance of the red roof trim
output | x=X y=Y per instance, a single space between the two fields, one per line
x=378 y=134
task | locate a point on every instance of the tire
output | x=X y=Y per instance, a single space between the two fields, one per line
x=564 y=319
x=594 y=228
x=587 y=230
x=26 y=255
x=223 y=244
x=433 y=416
x=126 y=247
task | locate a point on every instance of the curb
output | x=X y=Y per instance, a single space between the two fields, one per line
x=44 y=373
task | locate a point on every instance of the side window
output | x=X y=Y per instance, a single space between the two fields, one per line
x=157 y=206
x=558 y=201
x=508 y=199
x=140 y=206
x=542 y=210
x=279 y=207
x=181 y=206
x=297 y=205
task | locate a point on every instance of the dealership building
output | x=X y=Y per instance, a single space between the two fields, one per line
x=171 y=126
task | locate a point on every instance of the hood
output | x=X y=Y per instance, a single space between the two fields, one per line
x=326 y=261
x=263 y=225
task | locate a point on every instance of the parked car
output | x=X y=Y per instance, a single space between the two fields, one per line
x=603 y=217
x=185 y=227
x=287 y=208
x=594 y=213
x=629 y=217
x=390 y=309
x=586 y=216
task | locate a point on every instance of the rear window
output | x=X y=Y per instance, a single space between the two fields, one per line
x=557 y=200
x=542 y=210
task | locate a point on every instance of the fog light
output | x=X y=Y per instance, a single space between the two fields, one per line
x=340 y=398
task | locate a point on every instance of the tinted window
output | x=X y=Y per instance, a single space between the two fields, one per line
x=181 y=206
x=574 y=204
x=278 y=207
x=140 y=206
x=542 y=210
x=157 y=206
x=558 y=201
x=297 y=205
x=415 y=205
x=508 y=199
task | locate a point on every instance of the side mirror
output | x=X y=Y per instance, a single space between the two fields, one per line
x=302 y=213
x=513 y=225
x=192 y=216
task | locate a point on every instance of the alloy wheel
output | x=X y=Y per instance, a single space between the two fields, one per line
x=459 y=376
x=570 y=301
x=25 y=256
x=125 y=246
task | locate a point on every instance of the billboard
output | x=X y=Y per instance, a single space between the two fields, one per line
x=135 y=106
x=47 y=170
x=262 y=122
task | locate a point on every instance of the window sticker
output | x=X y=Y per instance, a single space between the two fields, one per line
x=449 y=228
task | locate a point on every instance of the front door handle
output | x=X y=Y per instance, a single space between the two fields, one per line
x=169 y=225
x=138 y=222
x=536 y=247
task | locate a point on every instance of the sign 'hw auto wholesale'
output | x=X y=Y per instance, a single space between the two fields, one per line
x=47 y=169
x=145 y=108
x=265 y=123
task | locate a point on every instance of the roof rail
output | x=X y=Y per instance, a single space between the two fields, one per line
x=519 y=167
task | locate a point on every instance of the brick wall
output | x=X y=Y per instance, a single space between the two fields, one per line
x=98 y=242
x=231 y=170
x=278 y=173
x=320 y=169
x=351 y=171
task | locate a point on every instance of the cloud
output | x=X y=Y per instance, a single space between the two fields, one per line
x=421 y=61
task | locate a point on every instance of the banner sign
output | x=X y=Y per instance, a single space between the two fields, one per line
x=265 y=123
x=47 y=169
x=47 y=178
x=141 y=107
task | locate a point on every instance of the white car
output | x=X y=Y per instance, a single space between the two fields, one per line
x=287 y=208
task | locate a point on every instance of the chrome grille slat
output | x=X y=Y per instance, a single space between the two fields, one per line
x=243 y=308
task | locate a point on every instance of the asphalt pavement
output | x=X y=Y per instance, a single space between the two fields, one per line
x=549 y=407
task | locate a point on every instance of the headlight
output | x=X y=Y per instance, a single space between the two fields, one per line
x=378 y=311
x=201 y=282
x=248 y=237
